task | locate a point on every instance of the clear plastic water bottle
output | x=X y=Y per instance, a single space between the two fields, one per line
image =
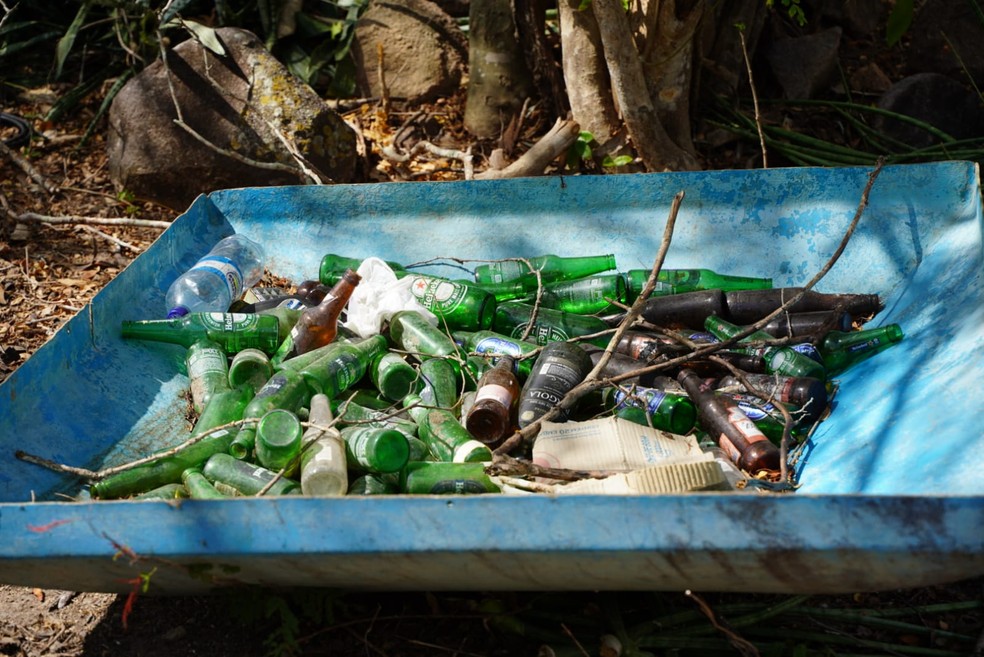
x=215 y=281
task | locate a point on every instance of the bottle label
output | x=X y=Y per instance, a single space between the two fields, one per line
x=225 y=269
x=272 y=386
x=496 y=393
x=741 y=422
x=541 y=333
x=808 y=350
x=864 y=346
x=438 y=295
x=756 y=410
x=456 y=486
x=342 y=372
x=203 y=361
x=466 y=449
x=728 y=448
x=229 y=322
x=641 y=398
x=499 y=346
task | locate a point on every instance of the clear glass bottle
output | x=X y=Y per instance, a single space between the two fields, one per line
x=216 y=280
x=323 y=464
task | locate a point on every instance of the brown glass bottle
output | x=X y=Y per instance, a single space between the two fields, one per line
x=730 y=428
x=814 y=323
x=648 y=348
x=687 y=310
x=749 y=306
x=807 y=393
x=318 y=326
x=491 y=417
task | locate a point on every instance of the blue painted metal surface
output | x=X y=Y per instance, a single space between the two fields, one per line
x=892 y=493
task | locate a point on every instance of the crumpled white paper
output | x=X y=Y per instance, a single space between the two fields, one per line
x=378 y=296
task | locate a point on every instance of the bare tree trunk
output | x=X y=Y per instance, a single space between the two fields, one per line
x=669 y=29
x=586 y=77
x=498 y=78
x=650 y=139
x=547 y=75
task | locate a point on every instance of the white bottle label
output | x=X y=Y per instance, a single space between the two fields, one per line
x=496 y=393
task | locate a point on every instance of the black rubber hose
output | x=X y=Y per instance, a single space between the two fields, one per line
x=23 y=135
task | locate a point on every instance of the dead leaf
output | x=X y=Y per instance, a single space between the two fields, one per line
x=39 y=594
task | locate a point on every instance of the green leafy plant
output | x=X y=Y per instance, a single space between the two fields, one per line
x=899 y=21
x=793 y=8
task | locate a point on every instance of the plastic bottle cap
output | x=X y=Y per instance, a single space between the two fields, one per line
x=177 y=311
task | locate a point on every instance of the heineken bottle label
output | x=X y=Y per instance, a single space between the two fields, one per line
x=202 y=361
x=648 y=399
x=272 y=386
x=864 y=346
x=808 y=350
x=499 y=346
x=225 y=269
x=437 y=295
x=755 y=410
x=229 y=322
x=541 y=333
x=343 y=371
x=456 y=487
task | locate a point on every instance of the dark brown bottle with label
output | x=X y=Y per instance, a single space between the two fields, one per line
x=809 y=394
x=558 y=368
x=749 y=306
x=730 y=428
x=492 y=415
x=648 y=348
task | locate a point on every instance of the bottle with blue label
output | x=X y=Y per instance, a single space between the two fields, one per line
x=217 y=279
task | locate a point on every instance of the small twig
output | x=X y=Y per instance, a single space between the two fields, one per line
x=28 y=168
x=114 y=240
x=99 y=221
x=7 y=11
x=741 y=645
x=755 y=102
x=574 y=639
x=381 y=74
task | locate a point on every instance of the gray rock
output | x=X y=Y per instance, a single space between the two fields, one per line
x=805 y=65
x=245 y=103
x=424 y=50
x=934 y=99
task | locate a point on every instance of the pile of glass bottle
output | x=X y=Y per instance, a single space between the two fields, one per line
x=290 y=402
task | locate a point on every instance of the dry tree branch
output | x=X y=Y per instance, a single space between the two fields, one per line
x=98 y=221
x=28 y=168
x=755 y=101
x=532 y=163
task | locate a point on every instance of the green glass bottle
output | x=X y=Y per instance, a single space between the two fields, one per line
x=285 y=389
x=333 y=267
x=278 y=440
x=375 y=484
x=507 y=290
x=432 y=478
x=512 y=318
x=842 y=350
x=782 y=360
x=198 y=487
x=497 y=344
x=583 y=296
x=660 y=409
x=411 y=332
x=233 y=332
x=439 y=384
x=224 y=407
x=375 y=449
x=445 y=437
x=552 y=268
x=677 y=281
x=351 y=413
x=208 y=371
x=286 y=318
x=250 y=367
x=343 y=365
x=323 y=464
x=247 y=478
x=393 y=376
x=165 y=492
x=457 y=305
